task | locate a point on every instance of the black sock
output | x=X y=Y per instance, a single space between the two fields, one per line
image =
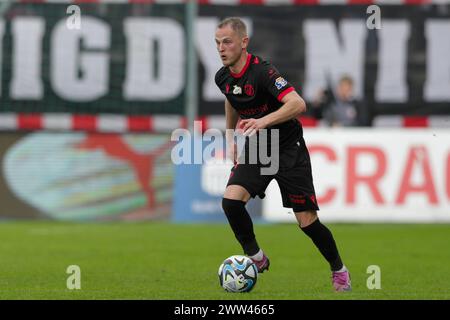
x=241 y=224
x=324 y=241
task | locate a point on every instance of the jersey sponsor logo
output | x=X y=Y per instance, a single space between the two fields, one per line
x=237 y=89
x=253 y=111
x=249 y=90
x=280 y=83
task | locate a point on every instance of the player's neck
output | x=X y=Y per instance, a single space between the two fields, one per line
x=240 y=64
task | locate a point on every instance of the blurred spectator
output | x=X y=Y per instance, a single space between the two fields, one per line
x=339 y=108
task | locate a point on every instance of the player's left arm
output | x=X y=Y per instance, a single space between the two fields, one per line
x=293 y=106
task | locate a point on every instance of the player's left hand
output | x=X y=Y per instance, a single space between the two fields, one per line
x=251 y=126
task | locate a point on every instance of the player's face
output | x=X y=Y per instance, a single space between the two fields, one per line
x=230 y=45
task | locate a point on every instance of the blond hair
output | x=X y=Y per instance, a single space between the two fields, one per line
x=236 y=24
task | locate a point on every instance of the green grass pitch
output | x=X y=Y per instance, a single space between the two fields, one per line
x=160 y=260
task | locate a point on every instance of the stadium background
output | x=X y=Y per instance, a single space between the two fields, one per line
x=86 y=116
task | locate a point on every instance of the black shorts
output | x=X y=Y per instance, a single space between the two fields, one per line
x=294 y=178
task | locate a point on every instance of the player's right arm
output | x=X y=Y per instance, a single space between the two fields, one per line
x=231 y=118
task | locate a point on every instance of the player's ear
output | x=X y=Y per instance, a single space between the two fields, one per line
x=245 y=42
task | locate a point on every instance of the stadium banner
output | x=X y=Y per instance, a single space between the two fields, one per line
x=199 y=188
x=377 y=175
x=120 y=59
x=129 y=58
x=85 y=176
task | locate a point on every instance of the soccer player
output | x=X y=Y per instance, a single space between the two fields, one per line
x=257 y=93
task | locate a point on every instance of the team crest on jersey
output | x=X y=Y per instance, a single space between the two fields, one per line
x=280 y=83
x=237 y=89
x=249 y=90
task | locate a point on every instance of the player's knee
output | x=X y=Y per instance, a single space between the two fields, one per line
x=229 y=205
x=237 y=192
x=306 y=218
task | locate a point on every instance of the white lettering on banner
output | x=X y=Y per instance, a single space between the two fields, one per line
x=391 y=83
x=68 y=60
x=143 y=81
x=437 y=84
x=376 y=175
x=2 y=30
x=26 y=82
x=326 y=58
x=208 y=55
x=155 y=69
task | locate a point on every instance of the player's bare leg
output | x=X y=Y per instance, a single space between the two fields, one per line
x=324 y=241
x=236 y=192
x=233 y=204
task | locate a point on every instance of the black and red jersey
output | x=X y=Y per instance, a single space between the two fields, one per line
x=257 y=91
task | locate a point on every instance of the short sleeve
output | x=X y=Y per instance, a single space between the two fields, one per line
x=217 y=78
x=273 y=82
